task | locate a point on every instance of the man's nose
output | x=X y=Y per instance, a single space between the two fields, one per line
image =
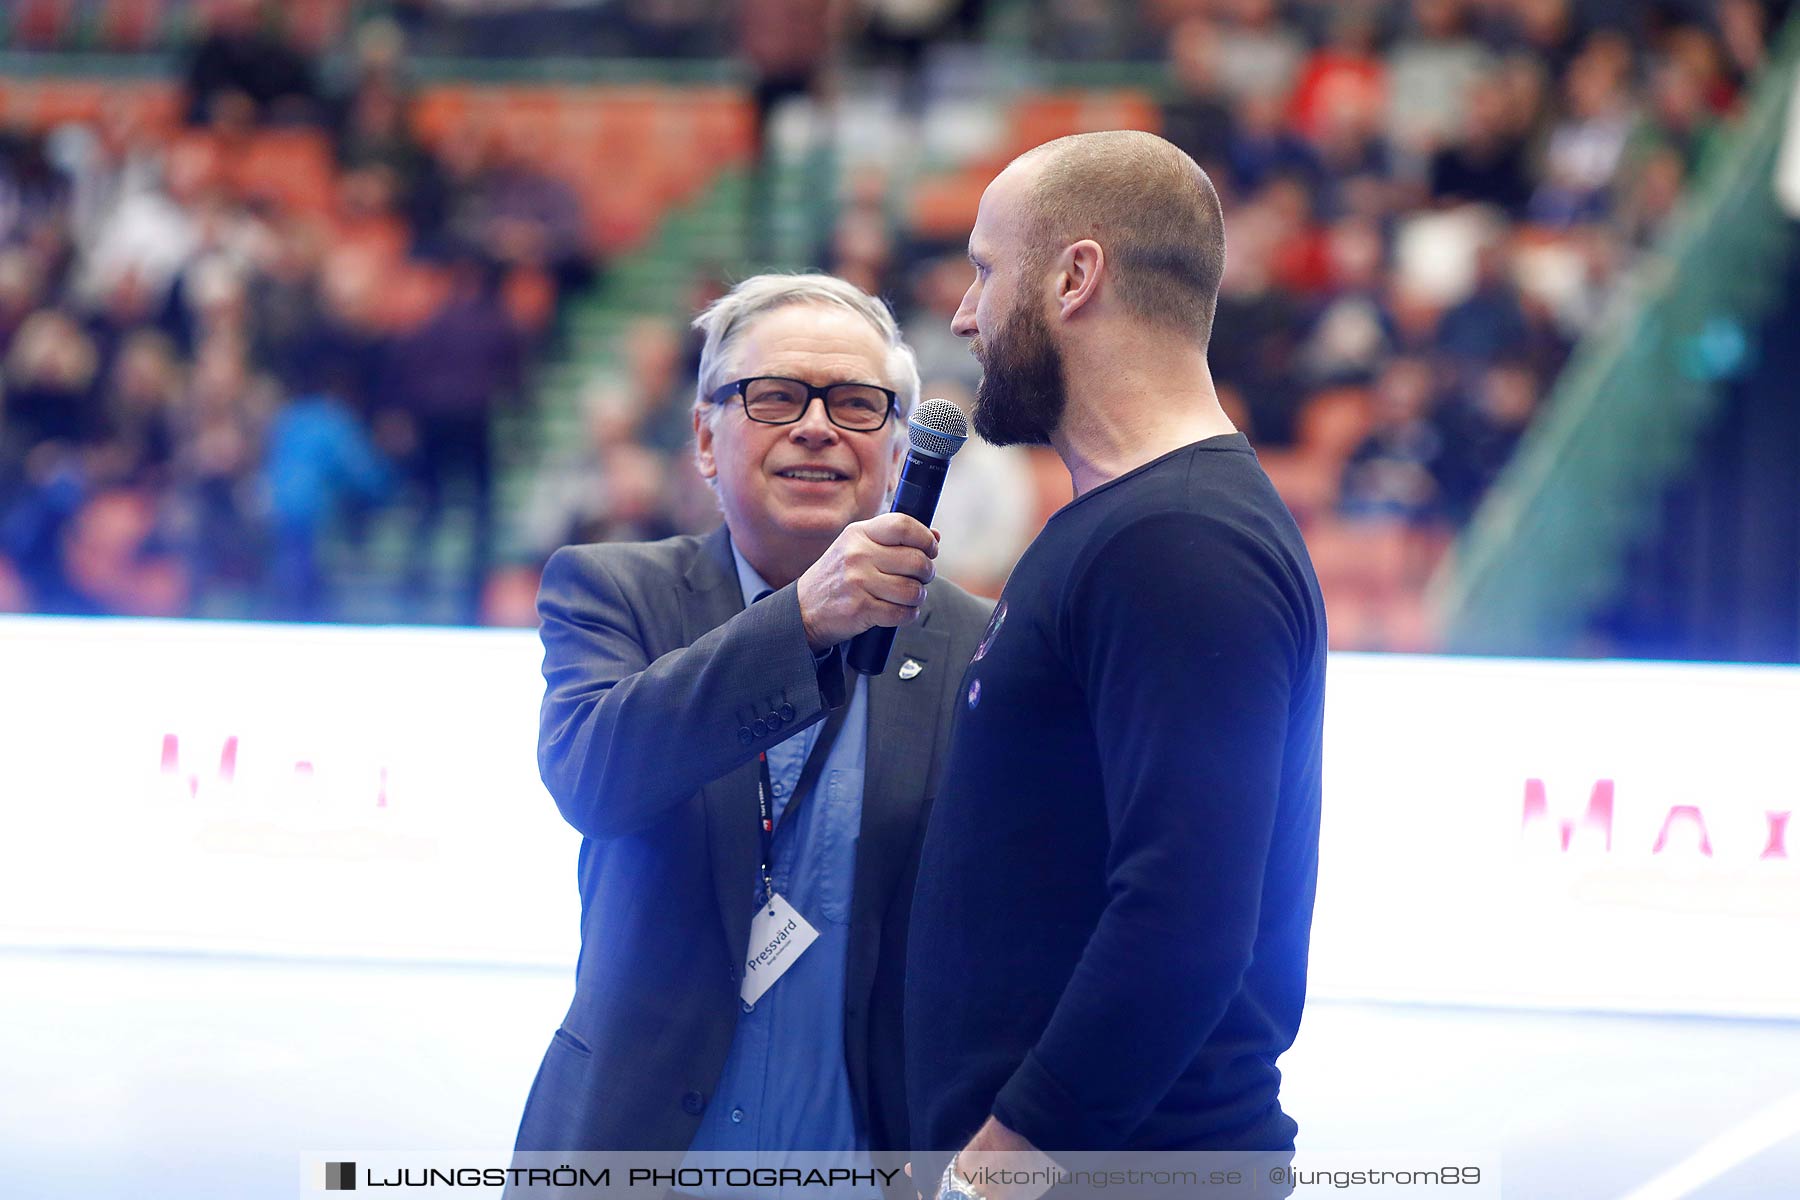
x=963 y=323
x=814 y=426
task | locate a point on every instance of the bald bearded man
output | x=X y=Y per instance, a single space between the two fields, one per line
x=1109 y=936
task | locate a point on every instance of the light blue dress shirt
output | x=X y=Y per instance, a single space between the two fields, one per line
x=785 y=1086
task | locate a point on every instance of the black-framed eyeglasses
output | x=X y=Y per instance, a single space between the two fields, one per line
x=778 y=400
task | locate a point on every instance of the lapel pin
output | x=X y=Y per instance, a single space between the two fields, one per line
x=910 y=668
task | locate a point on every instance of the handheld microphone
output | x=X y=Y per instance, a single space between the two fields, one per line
x=938 y=430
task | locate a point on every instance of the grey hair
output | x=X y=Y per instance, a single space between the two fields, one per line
x=726 y=319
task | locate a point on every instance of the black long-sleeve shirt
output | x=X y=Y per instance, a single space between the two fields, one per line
x=1109 y=937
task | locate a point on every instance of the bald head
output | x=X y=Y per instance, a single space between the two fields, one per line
x=1150 y=207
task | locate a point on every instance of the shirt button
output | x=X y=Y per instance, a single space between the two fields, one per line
x=693 y=1103
x=787 y=712
x=748 y=1006
x=781 y=789
x=737 y=1116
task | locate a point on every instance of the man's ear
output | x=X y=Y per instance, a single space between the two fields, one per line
x=703 y=445
x=1078 y=280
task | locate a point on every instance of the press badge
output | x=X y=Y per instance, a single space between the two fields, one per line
x=778 y=936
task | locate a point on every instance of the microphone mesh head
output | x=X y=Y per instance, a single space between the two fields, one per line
x=938 y=428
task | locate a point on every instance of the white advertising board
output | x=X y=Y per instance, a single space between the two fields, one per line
x=275 y=789
x=1559 y=834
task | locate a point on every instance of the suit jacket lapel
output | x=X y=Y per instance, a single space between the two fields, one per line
x=903 y=719
x=711 y=596
x=903 y=722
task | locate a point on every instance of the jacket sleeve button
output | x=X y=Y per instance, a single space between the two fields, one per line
x=760 y=727
x=744 y=735
x=787 y=712
x=693 y=1103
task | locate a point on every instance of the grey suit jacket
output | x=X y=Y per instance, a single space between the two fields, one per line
x=661 y=689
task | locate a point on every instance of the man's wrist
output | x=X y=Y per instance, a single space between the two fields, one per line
x=953 y=1185
x=1024 y=1172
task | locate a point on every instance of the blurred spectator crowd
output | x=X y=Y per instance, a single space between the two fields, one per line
x=1428 y=203
x=215 y=375
x=231 y=331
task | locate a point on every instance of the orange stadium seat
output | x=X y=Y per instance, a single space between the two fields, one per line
x=626 y=135
x=1334 y=422
x=530 y=298
x=410 y=293
x=531 y=117
x=622 y=212
x=54 y=101
x=194 y=155
x=294 y=167
x=1330 y=427
x=676 y=167
x=682 y=172
x=1036 y=119
x=629 y=151
x=438 y=110
x=40 y=24
x=314 y=25
x=1308 y=485
x=1372 y=572
x=724 y=126
x=42 y=103
x=944 y=208
x=379 y=240
x=1039 y=119
x=582 y=117
x=156 y=108
x=1124 y=110
x=131 y=24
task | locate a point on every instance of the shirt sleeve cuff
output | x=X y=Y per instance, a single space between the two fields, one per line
x=829 y=668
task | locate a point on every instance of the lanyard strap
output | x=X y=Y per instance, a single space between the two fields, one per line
x=809 y=776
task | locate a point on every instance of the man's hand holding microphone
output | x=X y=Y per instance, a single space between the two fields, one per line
x=873 y=575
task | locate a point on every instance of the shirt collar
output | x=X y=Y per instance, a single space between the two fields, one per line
x=752 y=583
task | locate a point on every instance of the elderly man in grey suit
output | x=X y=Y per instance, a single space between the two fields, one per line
x=696 y=694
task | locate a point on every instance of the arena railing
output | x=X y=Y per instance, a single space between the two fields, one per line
x=1547 y=549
